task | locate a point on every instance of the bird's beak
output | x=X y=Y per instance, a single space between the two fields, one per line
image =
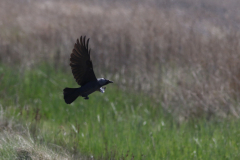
x=110 y=81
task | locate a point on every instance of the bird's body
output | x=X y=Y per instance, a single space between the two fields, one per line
x=89 y=88
x=82 y=70
x=72 y=93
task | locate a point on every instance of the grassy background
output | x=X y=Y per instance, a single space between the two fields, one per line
x=116 y=124
x=176 y=70
x=185 y=52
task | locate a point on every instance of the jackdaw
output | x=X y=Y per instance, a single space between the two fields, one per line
x=83 y=73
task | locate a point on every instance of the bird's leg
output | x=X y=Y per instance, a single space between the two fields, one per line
x=86 y=97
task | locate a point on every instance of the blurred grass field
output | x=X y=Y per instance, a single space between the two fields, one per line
x=113 y=125
x=185 y=52
x=175 y=67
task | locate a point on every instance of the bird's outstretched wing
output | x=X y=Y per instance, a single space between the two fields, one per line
x=81 y=63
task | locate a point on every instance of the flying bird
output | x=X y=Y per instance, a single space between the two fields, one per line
x=83 y=73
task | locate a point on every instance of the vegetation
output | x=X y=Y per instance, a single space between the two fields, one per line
x=116 y=124
x=176 y=71
x=186 y=53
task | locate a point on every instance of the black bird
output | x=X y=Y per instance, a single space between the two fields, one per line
x=82 y=70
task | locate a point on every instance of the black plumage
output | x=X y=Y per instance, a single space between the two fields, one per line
x=81 y=63
x=83 y=73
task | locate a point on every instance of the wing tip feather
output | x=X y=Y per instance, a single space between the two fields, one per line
x=79 y=54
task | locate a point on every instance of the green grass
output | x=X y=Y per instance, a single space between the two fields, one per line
x=114 y=124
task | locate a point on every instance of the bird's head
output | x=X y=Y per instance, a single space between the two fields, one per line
x=103 y=81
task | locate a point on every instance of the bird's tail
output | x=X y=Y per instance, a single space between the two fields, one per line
x=70 y=94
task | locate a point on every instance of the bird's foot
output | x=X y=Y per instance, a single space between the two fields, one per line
x=86 y=97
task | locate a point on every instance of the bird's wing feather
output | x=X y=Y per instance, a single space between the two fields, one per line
x=81 y=63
